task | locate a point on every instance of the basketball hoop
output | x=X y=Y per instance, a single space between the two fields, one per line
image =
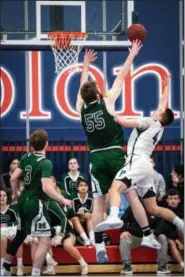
x=65 y=52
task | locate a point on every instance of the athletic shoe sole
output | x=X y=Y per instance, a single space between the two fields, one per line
x=101 y=256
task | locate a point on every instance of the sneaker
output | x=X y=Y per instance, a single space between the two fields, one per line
x=111 y=222
x=51 y=262
x=163 y=269
x=5 y=272
x=151 y=242
x=57 y=240
x=127 y=269
x=84 y=269
x=87 y=242
x=101 y=253
x=20 y=271
x=49 y=271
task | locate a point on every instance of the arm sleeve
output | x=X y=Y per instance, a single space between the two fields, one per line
x=46 y=169
x=162 y=186
x=145 y=122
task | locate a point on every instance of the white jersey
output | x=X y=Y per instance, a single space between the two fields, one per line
x=143 y=139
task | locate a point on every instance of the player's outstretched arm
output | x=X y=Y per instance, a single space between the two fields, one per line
x=90 y=56
x=14 y=183
x=116 y=89
x=130 y=123
x=165 y=96
x=50 y=191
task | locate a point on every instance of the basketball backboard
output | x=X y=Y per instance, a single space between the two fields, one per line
x=26 y=23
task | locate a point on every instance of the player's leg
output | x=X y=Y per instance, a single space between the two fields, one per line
x=90 y=230
x=69 y=247
x=12 y=250
x=3 y=248
x=175 y=253
x=40 y=255
x=80 y=230
x=19 y=256
x=151 y=206
x=100 y=183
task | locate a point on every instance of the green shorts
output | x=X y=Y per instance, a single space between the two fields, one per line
x=34 y=218
x=104 y=165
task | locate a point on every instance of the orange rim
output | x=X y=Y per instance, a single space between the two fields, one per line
x=63 y=39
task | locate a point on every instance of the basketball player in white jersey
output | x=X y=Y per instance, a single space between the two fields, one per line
x=138 y=172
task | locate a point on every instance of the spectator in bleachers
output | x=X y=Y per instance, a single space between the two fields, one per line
x=159 y=183
x=70 y=179
x=82 y=212
x=5 y=177
x=8 y=228
x=169 y=230
x=176 y=181
x=131 y=237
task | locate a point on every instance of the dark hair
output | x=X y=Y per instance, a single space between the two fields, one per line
x=172 y=192
x=8 y=195
x=82 y=181
x=73 y=158
x=179 y=169
x=153 y=156
x=38 y=139
x=167 y=117
x=89 y=92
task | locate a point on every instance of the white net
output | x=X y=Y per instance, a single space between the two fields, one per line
x=65 y=52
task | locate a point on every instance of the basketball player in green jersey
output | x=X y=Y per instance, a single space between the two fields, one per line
x=36 y=172
x=105 y=136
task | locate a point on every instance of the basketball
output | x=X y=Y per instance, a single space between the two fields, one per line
x=136 y=31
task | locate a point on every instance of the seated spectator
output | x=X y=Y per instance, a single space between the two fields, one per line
x=8 y=228
x=131 y=237
x=5 y=178
x=82 y=212
x=169 y=230
x=70 y=179
x=176 y=181
x=159 y=183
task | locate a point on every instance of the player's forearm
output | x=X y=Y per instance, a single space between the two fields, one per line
x=84 y=75
x=164 y=98
x=14 y=184
x=118 y=83
x=50 y=191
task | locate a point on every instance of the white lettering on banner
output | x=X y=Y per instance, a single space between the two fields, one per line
x=62 y=85
x=35 y=87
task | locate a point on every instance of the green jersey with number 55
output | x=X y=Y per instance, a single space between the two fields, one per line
x=100 y=127
x=35 y=166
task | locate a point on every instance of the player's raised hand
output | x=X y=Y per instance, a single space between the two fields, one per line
x=136 y=46
x=90 y=56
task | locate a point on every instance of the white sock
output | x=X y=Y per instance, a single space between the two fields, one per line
x=182 y=264
x=91 y=236
x=35 y=272
x=114 y=211
x=179 y=223
x=84 y=236
x=2 y=261
x=48 y=257
x=19 y=262
x=99 y=246
x=82 y=261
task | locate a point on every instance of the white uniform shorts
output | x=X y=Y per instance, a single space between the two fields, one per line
x=137 y=173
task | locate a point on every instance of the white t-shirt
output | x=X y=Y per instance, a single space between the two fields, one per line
x=143 y=139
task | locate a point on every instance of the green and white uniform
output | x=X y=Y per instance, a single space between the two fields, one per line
x=69 y=184
x=105 y=140
x=31 y=205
